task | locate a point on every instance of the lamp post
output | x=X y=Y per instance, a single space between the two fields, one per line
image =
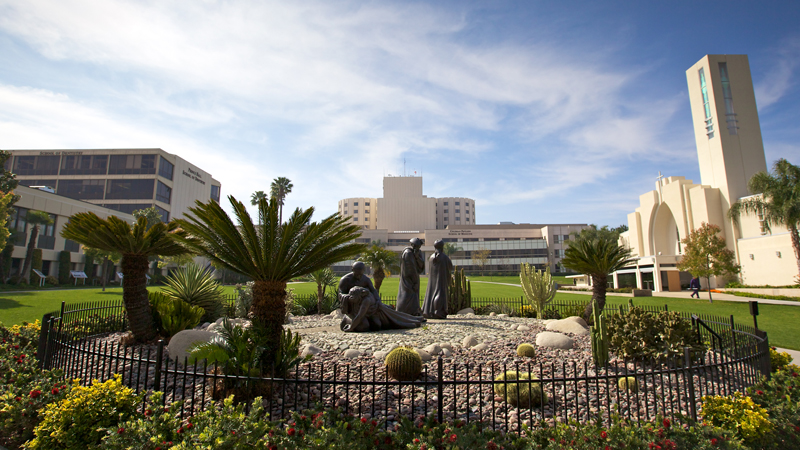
x=708 y=275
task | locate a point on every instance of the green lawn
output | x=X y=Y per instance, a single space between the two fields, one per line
x=780 y=321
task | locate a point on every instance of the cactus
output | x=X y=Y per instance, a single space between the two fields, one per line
x=600 y=337
x=524 y=393
x=538 y=287
x=460 y=292
x=629 y=384
x=526 y=350
x=403 y=364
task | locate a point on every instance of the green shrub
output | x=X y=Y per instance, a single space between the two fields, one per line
x=780 y=396
x=551 y=314
x=638 y=334
x=244 y=299
x=738 y=414
x=77 y=420
x=304 y=305
x=36 y=263
x=778 y=361
x=197 y=286
x=173 y=315
x=51 y=280
x=764 y=296
x=629 y=384
x=64 y=264
x=403 y=364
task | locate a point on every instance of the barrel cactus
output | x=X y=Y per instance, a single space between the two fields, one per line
x=403 y=364
x=526 y=350
x=629 y=384
x=519 y=389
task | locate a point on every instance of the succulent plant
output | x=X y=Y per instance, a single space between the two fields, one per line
x=600 y=339
x=629 y=384
x=538 y=287
x=403 y=364
x=526 y=350
x=519 y=389
x=460 y=292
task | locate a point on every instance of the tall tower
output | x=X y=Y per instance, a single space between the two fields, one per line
x=726 y=126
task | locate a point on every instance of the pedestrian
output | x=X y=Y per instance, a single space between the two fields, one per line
x=694 y=285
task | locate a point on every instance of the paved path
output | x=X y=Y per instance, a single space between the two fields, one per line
x=794 y=353
x=680 y=294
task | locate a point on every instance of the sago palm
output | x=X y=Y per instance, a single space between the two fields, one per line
x=382 y=261
x=596 y=258
x=271 y=253
x=779 y=202
x=136 y=243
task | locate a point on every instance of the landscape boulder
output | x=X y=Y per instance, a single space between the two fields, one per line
x=465 y=311
x=469 y=342
x=578 y=319
x=568 y=326
x=180 y=343
x=310 y=349
x=352 y=353
x=554 y=340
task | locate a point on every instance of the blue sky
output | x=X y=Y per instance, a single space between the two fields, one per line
x=544 y=112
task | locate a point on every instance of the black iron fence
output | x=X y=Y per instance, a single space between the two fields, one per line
x=76 y=339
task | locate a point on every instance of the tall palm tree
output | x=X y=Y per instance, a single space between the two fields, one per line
x=36 y=219
x=779 y=202
x=136 y=243
x=450 y=248
x=382 y=261
x=279 y=189
x=271 y=254
x=255 y=198
x=323 y=278
x=596 y=258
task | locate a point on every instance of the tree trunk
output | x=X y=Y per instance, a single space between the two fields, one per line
x=378 y=275
x=320 y=296
x=269 y=307
x=708 y=280
x=26 y=267
x=599 y=286
x=105 y=272
x=795 y=245
x=134 y=295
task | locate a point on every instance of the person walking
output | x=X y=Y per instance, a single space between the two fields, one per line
x=694 y=285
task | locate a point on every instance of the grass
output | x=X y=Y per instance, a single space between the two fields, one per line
x=779 y=321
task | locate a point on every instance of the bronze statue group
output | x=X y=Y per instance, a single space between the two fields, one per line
x=361 y=302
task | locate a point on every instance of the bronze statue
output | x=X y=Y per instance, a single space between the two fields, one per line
x=362 y=306
x=435 y=306
x=412 y=264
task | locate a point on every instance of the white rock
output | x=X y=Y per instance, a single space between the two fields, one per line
x=492 y=314
x=513 y=326
x=310 y=349
x=482 y=346
x=469 y=341
x=579 y=320
x=502 y=316
x=568 y=326
x=180 y=343
x=523 y=328
x=351 y=353
x=381 y=356
x=433 y=349
x=217 y=326
x=553 y=340
x=466 y=311
x=446 y=352
x=446 y=345
x=425 y=356
x=548 y=321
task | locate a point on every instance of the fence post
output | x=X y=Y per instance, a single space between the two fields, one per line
x=733 y=338
x=61 y=318
x=159 y=355
x=687 y=355
x=440 y=386
x=44 y=333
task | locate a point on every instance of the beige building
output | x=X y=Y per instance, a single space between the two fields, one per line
x=120 y=179
x=730 y=151
x=50 y=241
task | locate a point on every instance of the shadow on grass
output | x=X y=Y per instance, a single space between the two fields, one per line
x=10 y=303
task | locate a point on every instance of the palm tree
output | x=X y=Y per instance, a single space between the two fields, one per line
x=279 y=189
x=35 y=219
x=450 y=248
x=271 y=254
x=136 y=243
x=323 y=278
x=779 y=202
x=255 y=198
x=596 y=258
x=382 y=261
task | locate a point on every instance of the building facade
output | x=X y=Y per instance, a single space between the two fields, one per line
x=730 y=151
x=120 y=179
x=50 y=241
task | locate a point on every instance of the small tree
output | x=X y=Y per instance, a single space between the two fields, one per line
x=450 y=248
x=95 y=254
x=705 y=255
x=179 y=260
x=36 y=263
x=481 y=255
x=35 y=219
x=382 y=262
x=152 y=215
x=323 y=278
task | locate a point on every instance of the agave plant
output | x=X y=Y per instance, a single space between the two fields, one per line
x=196 y=286
x=173 y=315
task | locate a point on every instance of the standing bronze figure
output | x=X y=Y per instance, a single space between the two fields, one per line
x=412 y=264
x=435 y=306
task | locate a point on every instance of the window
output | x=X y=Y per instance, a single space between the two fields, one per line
x=49 y=183
x=166 y=169
x=565 y=238
x=458 y=219
x=17 y=222
x=82 y=189
x=445 y=203
x=130 y=189
x=345 y=204
x=557 y=253
x=36 y=165
x=163 y=192
x=355 y=219
x=458 y=203
x=445 y=219
x=467 y=219
x=132 y=164
x=47 y=235
x=466 y=204
x=164 y=213
x=84 y=165
x=706 y=104
x=458 y=211
x=127 y=208
x=72 y=246
x=355 y=211
x=730 y=116
x=366 y=203
x=366 y=211
x=355 y=203
x=215 y=193
x=555 y=239
x=445 y=211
